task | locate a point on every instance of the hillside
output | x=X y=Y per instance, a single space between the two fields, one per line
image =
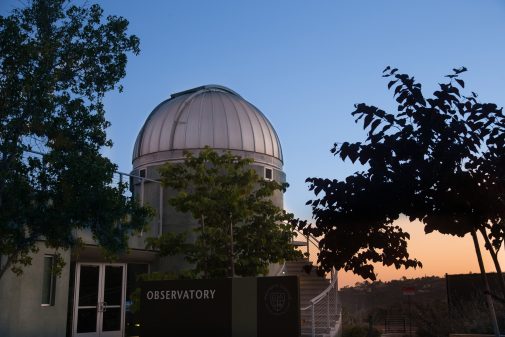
x=389 y=295
x=423 y=300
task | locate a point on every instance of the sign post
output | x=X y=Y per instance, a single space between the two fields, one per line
x=409 y=292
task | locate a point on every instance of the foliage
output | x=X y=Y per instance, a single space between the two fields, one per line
x=438 y=160
x=57 y=62
x=432 y=319
x=433 y=311
x=360 y=331
x=223 y=192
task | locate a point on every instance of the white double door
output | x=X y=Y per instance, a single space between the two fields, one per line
x=99 y=300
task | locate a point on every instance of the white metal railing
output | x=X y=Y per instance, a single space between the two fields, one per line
x=325 y=311
x=281 y=270
x=131 y=180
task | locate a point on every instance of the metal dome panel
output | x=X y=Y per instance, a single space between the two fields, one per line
x=211 y=115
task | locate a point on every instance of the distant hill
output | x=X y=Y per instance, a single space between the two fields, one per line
x=424 y=300
x=390 y=294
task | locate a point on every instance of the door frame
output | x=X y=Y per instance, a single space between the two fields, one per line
x=99 y=318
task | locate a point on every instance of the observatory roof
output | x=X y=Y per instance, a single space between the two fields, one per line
x=209 y=115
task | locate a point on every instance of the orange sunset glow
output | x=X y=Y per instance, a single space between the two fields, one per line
x=440 y=254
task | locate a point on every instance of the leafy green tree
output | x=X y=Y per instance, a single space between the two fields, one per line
x=240 y=230
x=57 y=61
x=439 y=160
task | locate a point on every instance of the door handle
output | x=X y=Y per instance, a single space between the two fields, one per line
x=102 y=306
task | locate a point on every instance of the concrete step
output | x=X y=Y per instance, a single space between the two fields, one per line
x=299 y=268
x=319 y=331
x=311 y=285
x=296 y=267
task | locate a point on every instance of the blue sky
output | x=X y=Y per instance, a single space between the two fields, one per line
x=304 y=64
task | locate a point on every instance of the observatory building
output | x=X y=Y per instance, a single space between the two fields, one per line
x=91 y=296
x=212 y=116
x=209 y=115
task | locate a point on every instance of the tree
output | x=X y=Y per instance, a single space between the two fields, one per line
x=438 y=160
x=57 y=62
x=240 y=231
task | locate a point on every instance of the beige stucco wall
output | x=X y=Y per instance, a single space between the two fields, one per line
x=21 y=313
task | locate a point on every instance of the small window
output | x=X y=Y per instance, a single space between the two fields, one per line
x=268 y=174
x=48 y=281
x=142 y=173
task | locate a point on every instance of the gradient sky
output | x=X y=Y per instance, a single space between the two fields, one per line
x=304 y=64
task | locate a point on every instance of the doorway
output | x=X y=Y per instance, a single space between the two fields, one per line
x=99 y=300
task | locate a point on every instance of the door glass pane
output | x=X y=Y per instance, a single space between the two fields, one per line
x=86 y=320
x=88 y=286
x=112 y=319
x=113 y=285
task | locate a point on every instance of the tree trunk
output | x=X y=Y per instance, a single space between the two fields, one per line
x=232 y=262
x=494 y=256
x=205 y=266
x=489 y=300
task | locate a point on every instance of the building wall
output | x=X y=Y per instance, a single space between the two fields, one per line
x=21 y=313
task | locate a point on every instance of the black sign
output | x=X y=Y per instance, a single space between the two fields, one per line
x=278 y=306
x=186 y=308
x=261 y=307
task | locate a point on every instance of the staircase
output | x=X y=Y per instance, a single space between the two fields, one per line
x=319 y=314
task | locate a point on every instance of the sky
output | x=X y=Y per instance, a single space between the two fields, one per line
x=305 y=64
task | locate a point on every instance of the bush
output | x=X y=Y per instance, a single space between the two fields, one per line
x=360 y=331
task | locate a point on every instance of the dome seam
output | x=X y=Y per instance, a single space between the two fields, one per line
x=228 y=142
x=239 y=124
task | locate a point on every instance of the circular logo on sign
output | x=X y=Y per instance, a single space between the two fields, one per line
x=277 y=299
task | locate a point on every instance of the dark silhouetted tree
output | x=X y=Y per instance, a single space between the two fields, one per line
x=439 y=160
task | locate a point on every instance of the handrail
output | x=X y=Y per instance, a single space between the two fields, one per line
x=310 y=236
x=138 y=177
x=324 y=306
x=318 y=298
x=281 y=271
x=310 y=239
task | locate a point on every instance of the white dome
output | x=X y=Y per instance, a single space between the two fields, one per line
x=209 y=115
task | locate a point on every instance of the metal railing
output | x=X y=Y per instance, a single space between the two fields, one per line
x=325 y=311
x=282 y=270
x=131 y=180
